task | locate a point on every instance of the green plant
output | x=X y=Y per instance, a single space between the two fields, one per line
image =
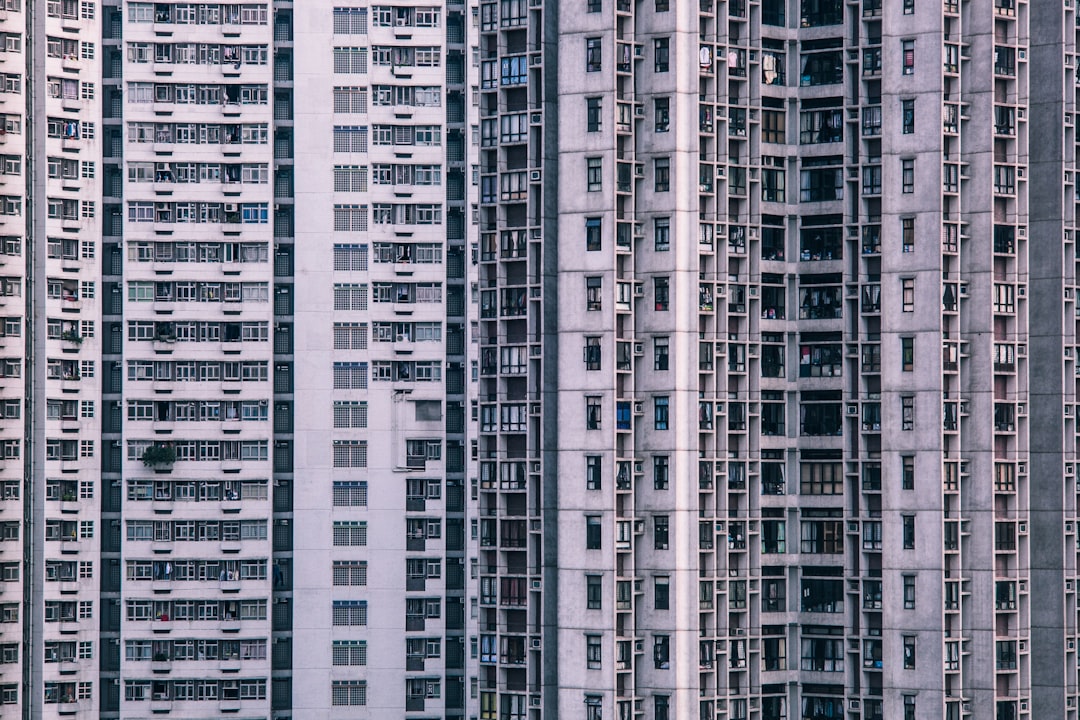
x=159 y=455
x=71 y=336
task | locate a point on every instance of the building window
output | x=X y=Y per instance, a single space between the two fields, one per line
x=660 y=353
x=821 y=68
x=661 y=472
x=907 y=111
x=820 y=126
x=773 y=183
x=660 y=707
x=907 y=412
x=662 y=234
x=907 y=354
x=908 y=47
x=909 y=532
x=593 y=594
x=593 y=652
x=594 y=174
x=909 y=652
x=907 y=175
x=907 y=288
x=594 y=6
x=818 y=183
x=660 y=413
x=592 y=413
x=662 y=174
x=592 y=532
x=592 y=353
x=593 y=55
x=662 y=593
x=822 y=594
x=907 y=472
x=661 y=293
x=661 y=652
x=909 y=7
x=593 y=228
x=773 y=126
x=816 y=13
x=660 y=532
x=593 y=288
x=773 y=414
x=661 y=54
x=662 y=114
x=773 y=537
x=909 y=592
x=822 y=652
x=907 y=234
x=593 y=468
x=592 y=114
x=821 y=533
x=772 y=12
x=909 y=708
x=773 y=592
x=348 y=692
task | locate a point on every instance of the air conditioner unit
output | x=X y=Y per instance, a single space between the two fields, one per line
x=534 y=701
x=853 y=705
x=639 y=170
x=535 y=584
x=231 y=207
x=639 y=51
x=639 y=110
x=534 y=176
x=852 y=409
x=639 y=527
x=639 y=408
x=536 y=643
x=639 y=290
x=639 y=349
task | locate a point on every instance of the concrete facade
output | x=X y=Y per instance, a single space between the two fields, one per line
x=530 y=359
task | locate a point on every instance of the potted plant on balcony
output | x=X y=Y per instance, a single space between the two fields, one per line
x=71 y=336
x=159 y=455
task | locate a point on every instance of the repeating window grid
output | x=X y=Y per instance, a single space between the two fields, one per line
x=350 y=494
x=350 y=21
x=350 y=376
x=350 y=60
x=350 y=454
x=350 y=613
x=350 y=296
x=351 y=257
x=350 y=178
x=350 y=100
x=349 y=573
x=352 y=138
x=348 y=692
x=350 y=652
x=350 y=533
x=350 y=336
x=350 y=414
x=350 y=218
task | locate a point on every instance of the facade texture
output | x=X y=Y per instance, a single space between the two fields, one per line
x=633 y=359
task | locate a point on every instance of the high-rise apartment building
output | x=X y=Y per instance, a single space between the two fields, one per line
x=756 y=312
x=524 y=360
